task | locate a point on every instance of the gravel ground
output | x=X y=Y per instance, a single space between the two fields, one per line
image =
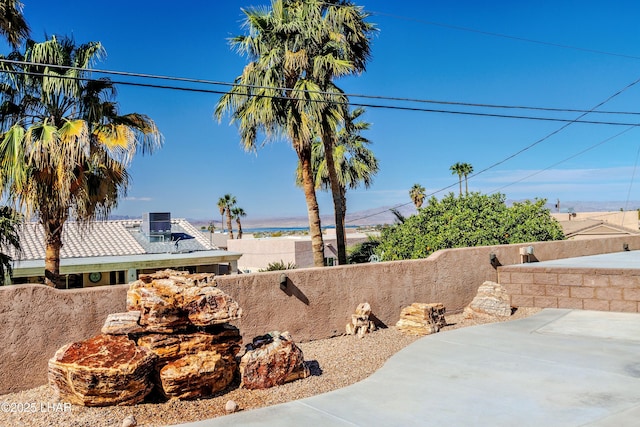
x=334 y=363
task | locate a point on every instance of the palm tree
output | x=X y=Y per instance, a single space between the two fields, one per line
x=9 y=240
x=467 y=169
x=237 y=214
x=417 y=194
x=13 y=26
x=458 y=169
x=296 y=48
x=226 y=203
x=64 y=148
x=355 y=162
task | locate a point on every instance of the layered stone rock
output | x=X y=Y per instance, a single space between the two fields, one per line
x=491 y=300
x=170 y=301
x=360 y=323
x=422 y=319
x=123 y=323
x=101 y=371
x=270 y=360
x=196 y=375
x=223 y=339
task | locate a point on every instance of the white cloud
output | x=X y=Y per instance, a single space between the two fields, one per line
x=138 y=199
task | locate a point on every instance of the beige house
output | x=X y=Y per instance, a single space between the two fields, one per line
x=590 y=225
x=258 y=253
x=115 y=252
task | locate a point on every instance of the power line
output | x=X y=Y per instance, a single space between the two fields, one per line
x=357 y=104
x=349 y=95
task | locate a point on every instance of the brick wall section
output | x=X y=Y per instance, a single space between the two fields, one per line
x=558 y=287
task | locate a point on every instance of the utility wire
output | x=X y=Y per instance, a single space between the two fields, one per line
x=349 y=95
x=349 y=103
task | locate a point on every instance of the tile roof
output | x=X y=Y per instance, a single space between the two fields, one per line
x=111 y=238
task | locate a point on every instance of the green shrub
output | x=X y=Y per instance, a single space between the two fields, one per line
x=279 y=265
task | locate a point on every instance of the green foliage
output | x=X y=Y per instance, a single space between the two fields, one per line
x=361 y=252
x=9 y=240
x=473 y=220
x=279 y=265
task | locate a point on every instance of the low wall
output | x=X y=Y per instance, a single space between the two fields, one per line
x=317 y=303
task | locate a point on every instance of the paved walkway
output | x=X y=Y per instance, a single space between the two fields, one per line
x=556 y=368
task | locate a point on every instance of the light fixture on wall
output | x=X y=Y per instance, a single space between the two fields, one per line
x=283 y=281
x=625 y=246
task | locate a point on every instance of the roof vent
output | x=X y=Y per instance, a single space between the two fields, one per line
x=157 y=226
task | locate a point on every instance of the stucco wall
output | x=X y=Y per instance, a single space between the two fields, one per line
x=37 y=320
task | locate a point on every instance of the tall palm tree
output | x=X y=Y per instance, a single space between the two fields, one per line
x=226 y=204
x=64 y=148
x=467 y=169
x=9 y=241
x=458 y=169
x=13 y=26
x=238 y=213
x=417 y=194
x=355 y=162
x=296 y=48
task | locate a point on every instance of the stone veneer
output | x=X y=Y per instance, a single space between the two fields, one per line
x=604 y=289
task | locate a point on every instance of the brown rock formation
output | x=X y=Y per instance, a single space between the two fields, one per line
x=123 y=323
x=422 y=319
x=360 y=323
x=196 y=375
x=170 y=301
x=491 y=300
x=272 y=359
x=101 y=371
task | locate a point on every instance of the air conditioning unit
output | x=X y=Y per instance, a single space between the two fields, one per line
x=157 y=226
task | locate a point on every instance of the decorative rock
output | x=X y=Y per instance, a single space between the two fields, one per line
x=422 y=319
x=272 y=359
x=123 y=323
x=129 y=421
x=224 y=339
x=231 y=407
x=103 y=370
x=491 y=300
x=360 y=323
x=196 y=375
x=170 y=301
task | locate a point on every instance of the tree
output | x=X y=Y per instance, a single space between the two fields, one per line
x=9 y=240
x=64 y=148
x=237 y=214
x=354 y=162
x=417 y=194
x=226 y=203
x=13 y=26
x=467 y=169
x=458 y=169
x=296 y=48
x=475 y=220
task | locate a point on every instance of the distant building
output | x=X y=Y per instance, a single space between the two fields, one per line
x=258 y=253
x=115 y=252
x=591 y=225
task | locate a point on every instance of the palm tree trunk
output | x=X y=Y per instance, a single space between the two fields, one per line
x=338 y=205
x=466 y=185
x=313 y=212
x=239 y=229
x=229 y=226
x=53 y=245
x=460 y=182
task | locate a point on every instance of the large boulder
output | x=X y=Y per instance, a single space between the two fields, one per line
x=171 y=301
x=491 y=300
x=422 y=319
x=196 y=375
x=270 y=360
x=101 y=371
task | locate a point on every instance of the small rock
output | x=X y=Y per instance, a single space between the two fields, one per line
x=129 y=421
x=422 y=319
x=491 y=300
x=231 y=407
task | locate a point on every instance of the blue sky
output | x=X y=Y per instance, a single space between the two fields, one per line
x=412 y=58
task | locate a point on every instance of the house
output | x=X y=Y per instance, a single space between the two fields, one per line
x=590 y=225
x=258 y=253
x=116 y=251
